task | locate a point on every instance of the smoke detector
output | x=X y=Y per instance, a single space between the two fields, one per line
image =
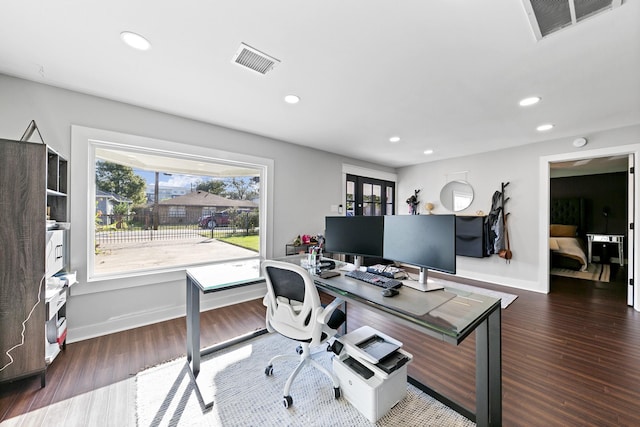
x=547 y=17
x=253 y=59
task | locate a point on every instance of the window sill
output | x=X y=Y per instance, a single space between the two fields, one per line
x=134 y=279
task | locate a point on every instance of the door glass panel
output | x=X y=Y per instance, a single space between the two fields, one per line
x=371 y=200
x=351 y=198
x=366 y=199
x=389 y=205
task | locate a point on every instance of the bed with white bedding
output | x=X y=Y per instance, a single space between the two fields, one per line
x=567 y=241
x=568 y=252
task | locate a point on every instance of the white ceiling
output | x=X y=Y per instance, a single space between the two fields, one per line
x=444 y=75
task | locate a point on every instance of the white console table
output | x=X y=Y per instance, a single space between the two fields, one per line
x=606 y=238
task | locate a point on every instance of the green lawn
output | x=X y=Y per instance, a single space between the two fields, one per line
x=248 y=242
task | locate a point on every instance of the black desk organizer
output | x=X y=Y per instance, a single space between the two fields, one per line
x=473 y=232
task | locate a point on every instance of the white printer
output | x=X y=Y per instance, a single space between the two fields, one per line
x=372 y=369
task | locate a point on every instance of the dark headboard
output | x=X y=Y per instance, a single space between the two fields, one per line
x=569 y=211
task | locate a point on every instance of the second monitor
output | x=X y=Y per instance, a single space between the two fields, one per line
x=425 y=241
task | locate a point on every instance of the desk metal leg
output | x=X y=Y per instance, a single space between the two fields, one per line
x=193 y=344
x=621 y=253
x=344 y=325
x=489 y=371
x=193 y=327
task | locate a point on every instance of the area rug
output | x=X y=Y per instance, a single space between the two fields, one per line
x=245 y=396
x=595 y=272
x=505 y=298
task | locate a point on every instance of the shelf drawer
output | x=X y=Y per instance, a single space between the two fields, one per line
x=54 y=304
x=54 y=252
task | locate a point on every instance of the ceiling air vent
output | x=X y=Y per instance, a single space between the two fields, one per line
x=254 y=60
x=549 y=16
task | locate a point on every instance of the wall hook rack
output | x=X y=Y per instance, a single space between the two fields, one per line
x=506 y=252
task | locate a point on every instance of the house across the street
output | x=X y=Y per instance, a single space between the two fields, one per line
x=193 y=206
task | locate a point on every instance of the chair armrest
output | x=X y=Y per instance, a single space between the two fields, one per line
x=328 y=310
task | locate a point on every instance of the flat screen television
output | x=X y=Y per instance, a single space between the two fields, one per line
x=360 y=236
x=424 y=241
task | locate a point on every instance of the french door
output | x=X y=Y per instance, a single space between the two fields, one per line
x=369 y=196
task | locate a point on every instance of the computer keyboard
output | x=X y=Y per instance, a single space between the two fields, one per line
x=374 y=279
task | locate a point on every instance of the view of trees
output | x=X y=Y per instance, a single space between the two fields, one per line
x=238 y=188
x=212 y=186
x=120 y=180
x=243 y=188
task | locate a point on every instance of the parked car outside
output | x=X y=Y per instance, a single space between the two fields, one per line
x=214 y=220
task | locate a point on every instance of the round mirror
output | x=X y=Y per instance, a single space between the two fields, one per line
x=456 y=195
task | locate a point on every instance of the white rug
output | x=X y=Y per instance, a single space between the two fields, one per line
x=245 y=396
x=505 y=298
x=595 y=272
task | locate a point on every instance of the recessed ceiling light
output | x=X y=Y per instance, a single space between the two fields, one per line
x=135 y=41
x=394 y=139
x=545 y=127
x=291 y=99
x=529 y=101
x=428 y=152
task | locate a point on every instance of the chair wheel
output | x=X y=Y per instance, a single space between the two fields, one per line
x=268 y=371
x=287 y=401
x=299 y=349
x=337 y=393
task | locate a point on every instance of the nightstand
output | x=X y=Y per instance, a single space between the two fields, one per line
x=606 y=238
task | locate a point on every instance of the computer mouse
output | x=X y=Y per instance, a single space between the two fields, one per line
x=390 y=292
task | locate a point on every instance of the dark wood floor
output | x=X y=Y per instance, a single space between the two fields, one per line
x=570 y=358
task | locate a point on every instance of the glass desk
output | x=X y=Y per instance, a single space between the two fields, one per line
x=208 y=279
x=443 y=315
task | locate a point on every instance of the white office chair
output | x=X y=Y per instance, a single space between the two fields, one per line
x=294 y=311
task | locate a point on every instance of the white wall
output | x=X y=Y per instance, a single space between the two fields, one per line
x=485 y=172
x=306 y=183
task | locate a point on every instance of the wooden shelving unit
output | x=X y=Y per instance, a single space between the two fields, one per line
x=33 y=231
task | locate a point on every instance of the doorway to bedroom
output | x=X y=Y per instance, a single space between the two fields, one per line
x=589 y=214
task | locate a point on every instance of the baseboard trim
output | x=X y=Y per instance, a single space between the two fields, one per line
x=526 y=285
x=148 y=317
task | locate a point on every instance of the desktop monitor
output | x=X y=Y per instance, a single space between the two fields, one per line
x=354 y=235
x=425 y=241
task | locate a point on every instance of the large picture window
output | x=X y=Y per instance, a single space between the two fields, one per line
x=155 y=211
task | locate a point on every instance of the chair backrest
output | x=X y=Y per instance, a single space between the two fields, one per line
x=292 y=300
